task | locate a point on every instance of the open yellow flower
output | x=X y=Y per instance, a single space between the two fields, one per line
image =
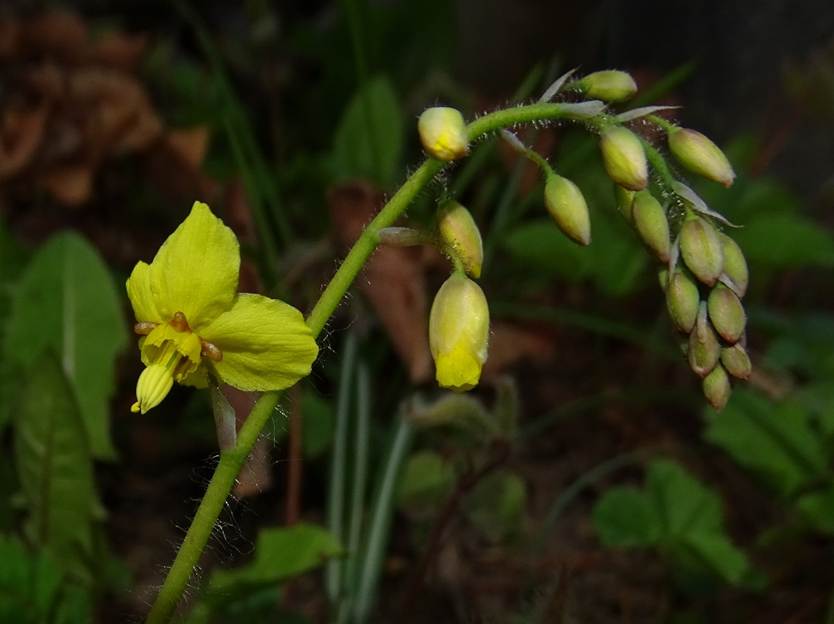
x=195 y=324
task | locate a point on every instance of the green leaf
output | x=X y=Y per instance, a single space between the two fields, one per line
x=626 y=517
x=780 y=240
x=818 y=509
x=425 y=483
x=66 y=302
x=369 y=140
x=279 y=554
x=319 y=424
x=55 y=469
x=775 y=440
x=497 y=504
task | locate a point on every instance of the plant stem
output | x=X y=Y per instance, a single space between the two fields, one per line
x=232 y=460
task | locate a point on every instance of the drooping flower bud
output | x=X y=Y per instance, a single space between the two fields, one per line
x=443 y=133
x=701 y=249
x=566 y=204
x=726 y=313
x=461 y=235
x=459 y=333
x=682 y=301
x=624 y=158
x=716 y=387
x=625 y=201
x=697 y=153
x=652 y=224
x=704 y=348
x=736 y=361
x=609 y=85
x=663 y=278
x=735 y=265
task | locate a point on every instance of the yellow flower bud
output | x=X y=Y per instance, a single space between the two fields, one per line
x=566 y=204
x=609 y=85
x=461 y=235
x=443 y=133
x=697 y=153
x=624 y=158
x=459 y=333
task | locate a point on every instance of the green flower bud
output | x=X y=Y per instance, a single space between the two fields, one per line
x=683 y=301
x=625 y=201
x=609 y=85
x=701 y=250
x=652 y=224
x=716 y=387
x=459 y=333
x=443 y=133
x=704 y=348
x=697 y=153
x=624 y=158
x=735 y=265
x=461 y=235
x=663 y=278
x=566 y=204
x=726 y=313
x=736 y=361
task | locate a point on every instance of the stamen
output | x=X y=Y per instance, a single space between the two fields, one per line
x=143 y=328
x=180 y=323
x=210 y=351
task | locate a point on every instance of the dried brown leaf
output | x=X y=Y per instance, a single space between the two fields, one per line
x=119 y=50
x=20 y=136
x=57 y=32
x=71 y=185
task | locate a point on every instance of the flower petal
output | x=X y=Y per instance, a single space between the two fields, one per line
x=196 y=269
x=265 y=344
x=140 y=294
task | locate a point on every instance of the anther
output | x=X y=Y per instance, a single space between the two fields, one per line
x=210 y=351
x=180 y=323
x=143 y=328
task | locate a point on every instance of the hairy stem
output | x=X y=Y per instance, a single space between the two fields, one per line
x=231 y=461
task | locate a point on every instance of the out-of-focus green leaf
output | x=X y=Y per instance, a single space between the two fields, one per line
x=425 y=483
x=55 y=469
x=279 y=554
x=677 y=514
x=497 y=504
x=775 y=440
x=369 y=140
x=818 y=509
x=66 y=302
x=318 y=424
x=12 y=261
x=778 y=240
x=626 y=517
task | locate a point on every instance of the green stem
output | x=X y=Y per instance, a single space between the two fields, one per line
x=231 y=461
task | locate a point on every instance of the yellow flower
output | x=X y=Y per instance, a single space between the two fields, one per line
x=459 y=332
x=443 y=133
x=196 y=325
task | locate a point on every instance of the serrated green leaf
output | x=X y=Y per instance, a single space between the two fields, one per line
x=776 y=441
x=66 y=302
x=369 y=140
x=425 y=483
x=497 y=504
x=279 y=554
x=55 y=469
x=626 y=517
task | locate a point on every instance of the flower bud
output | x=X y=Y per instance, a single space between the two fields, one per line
x=735 y=265
x=609 y=85
x=683 y=301
x=697 y=153
x=701 y=250
x=716 y=387
x=462 y=237
x=726 y=313
x=566 y=204
x=736 y=361
x=625 y=201
x=704 y=348
x=652 y=224
x=459 y=333
x=443 y=133
x=624 y=158
x=663 y=278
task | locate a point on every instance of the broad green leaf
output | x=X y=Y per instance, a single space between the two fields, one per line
x=776 y=441
x=425 y=483
x=685 y=505
x=66 y=302
x=369 y=139
x=497 y=505
x=279 y=554
x=55 y=469
x=626 y=517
